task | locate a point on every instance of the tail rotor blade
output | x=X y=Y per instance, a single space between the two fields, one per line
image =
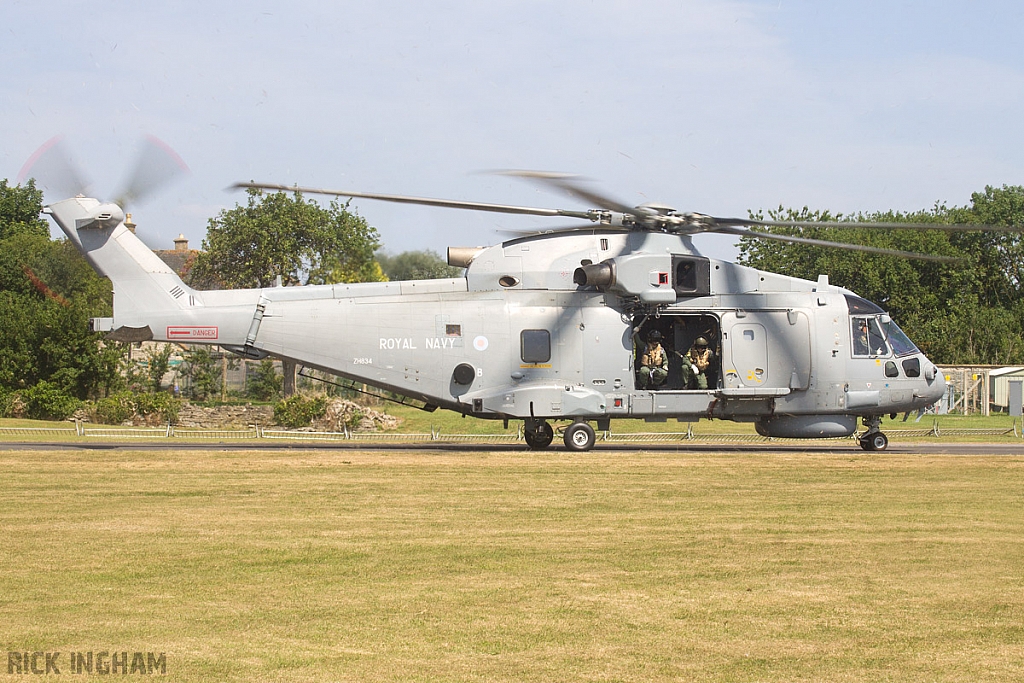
x=54 y=170
x=156 y=167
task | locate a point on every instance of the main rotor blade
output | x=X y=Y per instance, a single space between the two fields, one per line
x=742 y=232
x=562 y=230
x=569 y=184
x=425 y=201
x=851 y=225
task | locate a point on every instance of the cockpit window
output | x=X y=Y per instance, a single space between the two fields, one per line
x=901 y=344
x=867 y=337
x=858 y=305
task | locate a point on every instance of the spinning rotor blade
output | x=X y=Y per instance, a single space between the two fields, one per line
x=561 y=230
x=54 y=170
x=742 y=232
x=426 y=201
x=848 y=225
x=613 y=215
x=570 y=185
x=156 y=166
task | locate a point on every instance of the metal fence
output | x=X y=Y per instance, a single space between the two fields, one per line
x=39 y=431
x=255 y=432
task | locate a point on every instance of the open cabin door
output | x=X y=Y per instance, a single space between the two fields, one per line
x=679 y=331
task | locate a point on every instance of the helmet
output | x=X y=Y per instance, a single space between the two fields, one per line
x=700 y=341
x=654 y=336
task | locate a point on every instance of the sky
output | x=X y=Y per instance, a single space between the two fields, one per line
x=714 y=107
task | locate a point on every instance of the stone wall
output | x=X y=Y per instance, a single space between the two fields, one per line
x=339 y=414
x=223 y=417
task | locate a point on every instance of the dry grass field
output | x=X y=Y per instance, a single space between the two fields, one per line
x=517 y=566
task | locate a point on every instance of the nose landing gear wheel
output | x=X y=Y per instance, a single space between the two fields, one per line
x=874 y=442
x=579 y=437
x=540 y=438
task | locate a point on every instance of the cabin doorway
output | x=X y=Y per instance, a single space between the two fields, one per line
x=678 y=333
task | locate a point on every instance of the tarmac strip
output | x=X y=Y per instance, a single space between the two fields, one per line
x=907 y=448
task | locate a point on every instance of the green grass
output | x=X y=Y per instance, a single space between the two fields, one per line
x=369 y=566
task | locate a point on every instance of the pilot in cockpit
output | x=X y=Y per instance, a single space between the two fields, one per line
x=867 y=338
x=860 y=338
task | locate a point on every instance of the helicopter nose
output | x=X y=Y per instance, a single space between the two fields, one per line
x=936 y=388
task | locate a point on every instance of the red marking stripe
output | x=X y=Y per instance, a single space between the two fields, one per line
x=197 y=332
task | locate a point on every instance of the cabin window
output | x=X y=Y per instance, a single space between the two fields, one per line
x=535 y=346
x=912 y=366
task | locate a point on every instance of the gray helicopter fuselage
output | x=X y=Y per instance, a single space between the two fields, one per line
x=518 y=337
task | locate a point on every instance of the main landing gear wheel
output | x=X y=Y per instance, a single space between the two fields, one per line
x=579 y=436
x=540 y=438
x=874 y=442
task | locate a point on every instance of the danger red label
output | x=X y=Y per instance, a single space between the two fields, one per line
x=183 y=332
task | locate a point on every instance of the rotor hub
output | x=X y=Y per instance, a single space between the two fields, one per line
x=654 y=208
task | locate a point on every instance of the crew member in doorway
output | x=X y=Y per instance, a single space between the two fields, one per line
x=653 y=363
x=696 y=363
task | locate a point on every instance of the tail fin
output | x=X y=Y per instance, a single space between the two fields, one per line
x=143 y=284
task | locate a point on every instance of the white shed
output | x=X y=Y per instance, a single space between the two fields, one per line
x=1000 y=385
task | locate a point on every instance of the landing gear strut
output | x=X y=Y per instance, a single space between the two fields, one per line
x=539 y=436
x=874 y=439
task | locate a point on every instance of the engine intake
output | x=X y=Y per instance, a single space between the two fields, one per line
x=461 y=257
x=595 y=274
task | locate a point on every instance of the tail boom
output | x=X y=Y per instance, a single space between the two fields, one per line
x=151 y=302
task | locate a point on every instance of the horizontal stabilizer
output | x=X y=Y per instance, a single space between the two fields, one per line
x=131 y=334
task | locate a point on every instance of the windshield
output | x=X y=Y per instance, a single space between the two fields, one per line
x=901 y=344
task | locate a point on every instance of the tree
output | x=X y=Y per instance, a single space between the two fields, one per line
x=158 y=363
x=19 y=210
x=416 y=265
x=263 y=383
x=301 y=242
x=203 y=372
x=275 y=235
x=971 y=311
x=47 y=294
x=999 y=257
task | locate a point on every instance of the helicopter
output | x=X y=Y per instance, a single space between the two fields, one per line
x=551 y=326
